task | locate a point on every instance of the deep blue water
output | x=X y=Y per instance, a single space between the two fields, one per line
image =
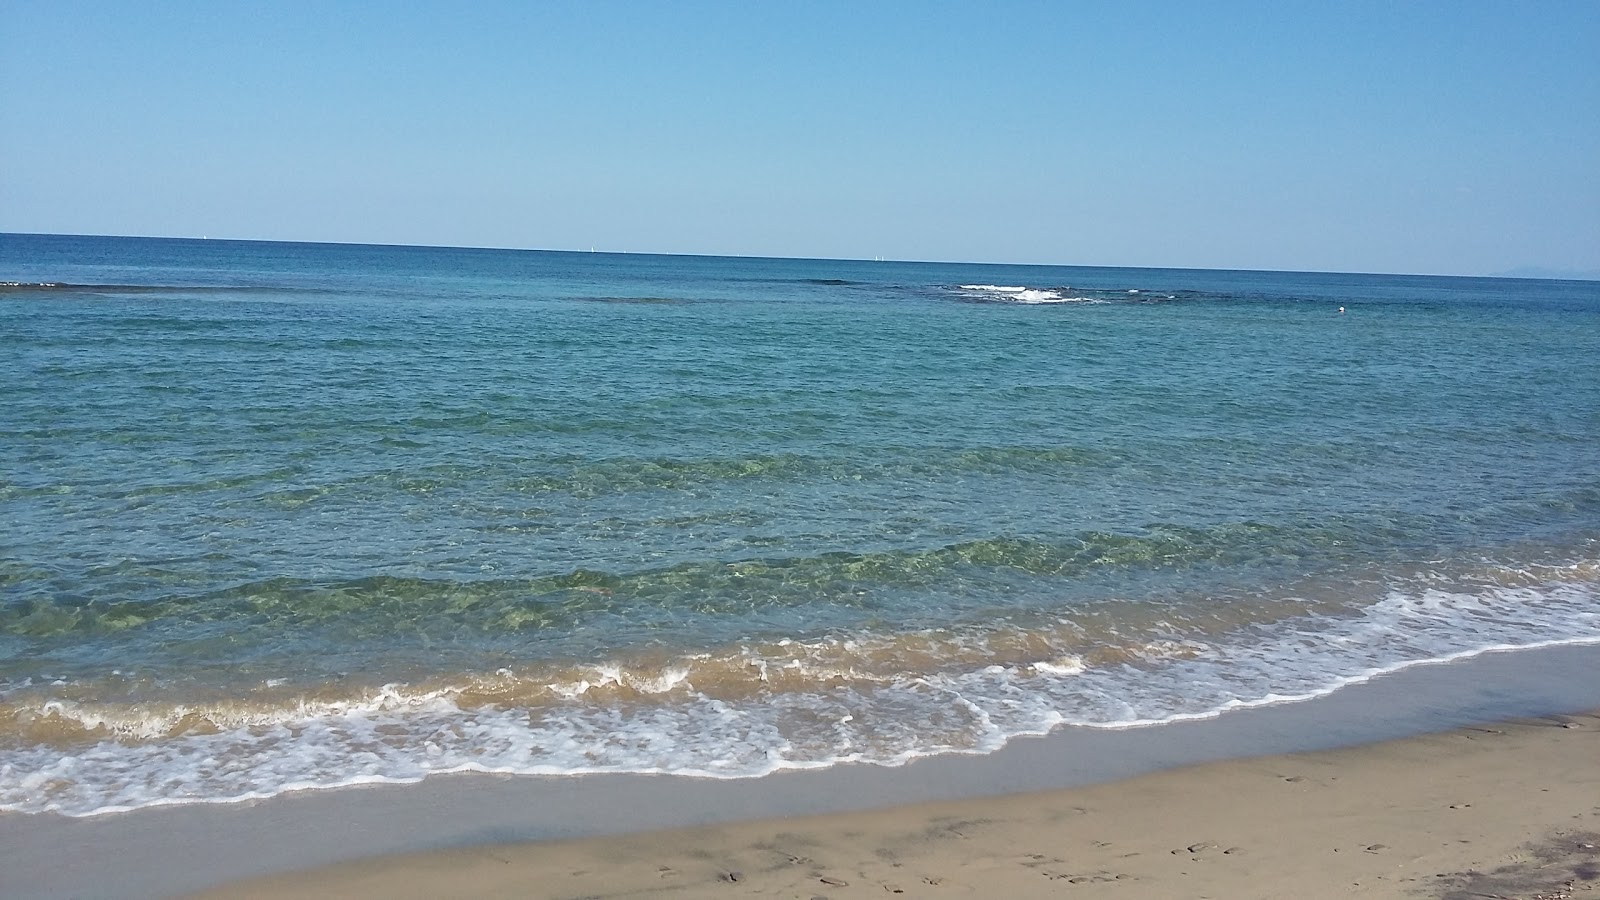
x=294 y=515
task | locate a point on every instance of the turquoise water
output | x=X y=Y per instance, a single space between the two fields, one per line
x=282 y=516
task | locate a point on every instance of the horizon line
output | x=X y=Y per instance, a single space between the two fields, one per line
x=1570 y=275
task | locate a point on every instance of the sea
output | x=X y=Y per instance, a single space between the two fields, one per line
x=281 y=517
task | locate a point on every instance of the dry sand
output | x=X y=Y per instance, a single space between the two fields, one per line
x=1503 y=811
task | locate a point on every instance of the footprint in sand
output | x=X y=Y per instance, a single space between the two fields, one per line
x=1096 y=878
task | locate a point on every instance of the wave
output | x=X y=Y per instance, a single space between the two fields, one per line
x=750 y=709
x=1034 y=296
x=1025 y=295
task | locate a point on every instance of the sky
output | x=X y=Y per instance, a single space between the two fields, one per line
x=1454 y=137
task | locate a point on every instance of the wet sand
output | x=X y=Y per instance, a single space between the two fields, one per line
x=1511 y=810
x=1033 y=811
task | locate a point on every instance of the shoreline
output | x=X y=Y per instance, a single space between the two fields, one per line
x=171 y=850
x=1510 y=811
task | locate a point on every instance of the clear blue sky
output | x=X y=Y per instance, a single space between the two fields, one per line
x=1452 y=137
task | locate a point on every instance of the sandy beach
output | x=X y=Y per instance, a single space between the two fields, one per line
x=1504 y=810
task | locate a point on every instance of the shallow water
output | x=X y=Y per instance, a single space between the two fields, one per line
x=278 y=516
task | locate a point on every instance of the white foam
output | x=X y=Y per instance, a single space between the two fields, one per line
x=403 y=735
x=667 y=680
x=1023 y=294
x=1066 y=665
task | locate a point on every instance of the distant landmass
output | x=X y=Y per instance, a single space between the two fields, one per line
x=1542 y=272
